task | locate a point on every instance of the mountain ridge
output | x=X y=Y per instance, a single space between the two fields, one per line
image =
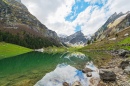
x=16 y=20
x=113 y=25
x=77 y=38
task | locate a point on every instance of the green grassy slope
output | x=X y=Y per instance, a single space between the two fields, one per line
x=8 y=50
x=125 y=44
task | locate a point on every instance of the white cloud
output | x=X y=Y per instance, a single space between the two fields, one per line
x=52 y=13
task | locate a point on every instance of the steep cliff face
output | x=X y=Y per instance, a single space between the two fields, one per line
x=115 y=24
x=16 y=19
x=77 y=38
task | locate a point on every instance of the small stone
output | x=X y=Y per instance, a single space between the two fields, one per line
x=86 y=70
x=89 y=74
x=65 y=84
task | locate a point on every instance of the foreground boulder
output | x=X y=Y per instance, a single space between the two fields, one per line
x=107 y=75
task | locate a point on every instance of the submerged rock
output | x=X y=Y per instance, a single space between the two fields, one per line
x=107 y=75
x=65 y=84
x=86 y=70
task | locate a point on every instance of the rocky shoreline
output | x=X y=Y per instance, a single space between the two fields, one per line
x=117 y=71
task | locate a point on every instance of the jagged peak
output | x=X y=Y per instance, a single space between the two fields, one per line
x=113 y=15
x=128 y=12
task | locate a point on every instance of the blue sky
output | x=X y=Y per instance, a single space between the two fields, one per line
x=68 y=16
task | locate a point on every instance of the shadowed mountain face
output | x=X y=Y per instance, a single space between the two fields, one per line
x=76 y=38
x=114 y=24
x=16 y=20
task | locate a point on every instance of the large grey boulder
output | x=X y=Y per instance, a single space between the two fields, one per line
x=107 y=75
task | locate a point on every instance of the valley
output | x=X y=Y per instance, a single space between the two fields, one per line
x=32 y=54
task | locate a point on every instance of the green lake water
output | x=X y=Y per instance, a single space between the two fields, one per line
x=27 y=69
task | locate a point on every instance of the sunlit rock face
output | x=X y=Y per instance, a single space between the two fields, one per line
x=114 y=24
x=66 y=73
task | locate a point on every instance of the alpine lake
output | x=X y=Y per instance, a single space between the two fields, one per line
x=29 y=68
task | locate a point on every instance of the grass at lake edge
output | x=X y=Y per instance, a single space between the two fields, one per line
x=9 y=50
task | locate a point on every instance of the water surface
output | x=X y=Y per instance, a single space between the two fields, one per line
x=27 y=69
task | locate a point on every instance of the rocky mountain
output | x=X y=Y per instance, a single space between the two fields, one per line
x=77 y=38
x=16 y=20
x=114 y=24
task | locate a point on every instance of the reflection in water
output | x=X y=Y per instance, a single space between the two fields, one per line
x=69 y=74
x=32 y=66
x=75 y=55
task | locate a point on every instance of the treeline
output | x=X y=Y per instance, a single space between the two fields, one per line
x=27 y=40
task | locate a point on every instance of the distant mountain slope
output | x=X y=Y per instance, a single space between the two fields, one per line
x=77 y=38
x=115 y=24
x=18 y=24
